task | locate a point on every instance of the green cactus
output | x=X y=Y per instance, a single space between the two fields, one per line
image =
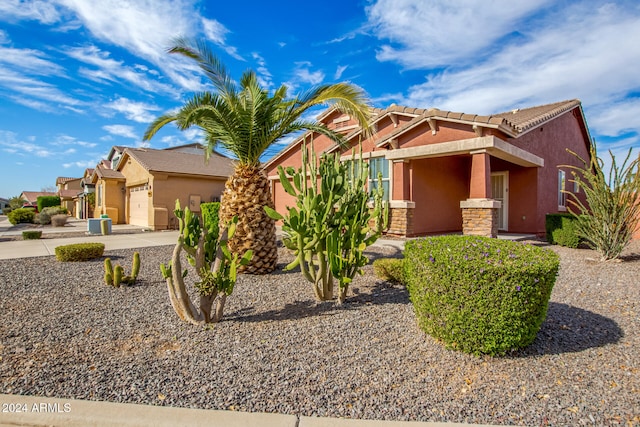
x=328 y=229
x=135 y=267
x=118 y=273
x=214 y=263
x=108 y=272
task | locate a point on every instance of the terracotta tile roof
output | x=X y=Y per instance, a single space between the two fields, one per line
x=32 y=196
x=526 y=118
x=68 y=194
x=513 y=123
x=171 y=161
x=63 y=180
x=107 y=173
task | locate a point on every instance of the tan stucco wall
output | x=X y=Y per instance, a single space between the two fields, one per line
x=165 y=189
x=112 y=202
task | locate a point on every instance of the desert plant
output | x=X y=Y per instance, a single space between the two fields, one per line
x=45 y=215
x=22 y=215
x=114 y=275
x=328 y=229
x=247 y=119
x=79 y=252
x=389 y=269
x=479 y=295
x=31 y=234
x=47 y=201
x=213 y=262
x=611 y=213
x=59 y=220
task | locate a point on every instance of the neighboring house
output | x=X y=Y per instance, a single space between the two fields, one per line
x=32 y=197
x=68 y=189
x=140 y=185
x=83 y=200
x=109 y=192
x=449 y=172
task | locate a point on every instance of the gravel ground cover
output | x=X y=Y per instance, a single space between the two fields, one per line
x=64 y=333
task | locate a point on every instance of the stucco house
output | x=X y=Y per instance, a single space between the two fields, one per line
x=445 y=171
x=140 y=185
x=32 y=197
x=68 y=189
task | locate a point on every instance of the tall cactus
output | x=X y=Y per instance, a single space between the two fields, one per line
x=328 y=229
x=214 y=264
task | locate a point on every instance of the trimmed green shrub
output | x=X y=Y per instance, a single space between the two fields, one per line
x=562 y=230
x=59 y=220
x=210 y=217
x=46 y=201
x=79 y=252
x=479 y=295
x=31 y=234
x=389 y=269
x=22 y=215
x=44 y=217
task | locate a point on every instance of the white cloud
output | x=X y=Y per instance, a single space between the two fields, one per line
x=555 y=59
x=121 y=130
x=441 y=32
x=11 y=143
x=132 y=110
x=28 y=61
x=303 y=75
x=109 y=69
x=614 y=119
x=264 y=75
x=42 y=11
x=62 y=140
x=339 y=71
x=82 y=164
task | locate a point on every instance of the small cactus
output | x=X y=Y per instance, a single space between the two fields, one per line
x=135 y=267
x=108 y=272
x=118 y=272
x=114 y=276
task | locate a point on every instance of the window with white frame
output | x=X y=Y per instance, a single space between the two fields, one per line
x=379 y=165
x=562 y=196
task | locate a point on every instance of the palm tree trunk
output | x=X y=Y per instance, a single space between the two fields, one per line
x=246 y=193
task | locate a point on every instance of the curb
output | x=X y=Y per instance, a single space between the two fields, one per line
x=32 y=411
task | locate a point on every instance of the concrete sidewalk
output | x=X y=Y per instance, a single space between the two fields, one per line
x=16 y=410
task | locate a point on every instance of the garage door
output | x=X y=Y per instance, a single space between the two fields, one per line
x=139 y=205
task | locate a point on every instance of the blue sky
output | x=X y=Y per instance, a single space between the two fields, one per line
x=79 y=76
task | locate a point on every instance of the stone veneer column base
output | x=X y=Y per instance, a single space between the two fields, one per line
x=401 y=217
x=480 y=217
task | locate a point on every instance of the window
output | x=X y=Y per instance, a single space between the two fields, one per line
x=562 y=197
x=379 y=165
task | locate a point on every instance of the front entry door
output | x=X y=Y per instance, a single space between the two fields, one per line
x=500 y=192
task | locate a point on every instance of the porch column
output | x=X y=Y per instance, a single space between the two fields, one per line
x=480 y=211
x=401 y=208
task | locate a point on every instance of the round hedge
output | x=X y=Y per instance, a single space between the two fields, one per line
x=479 y=295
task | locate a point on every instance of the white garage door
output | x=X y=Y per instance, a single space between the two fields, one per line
x=139 y=206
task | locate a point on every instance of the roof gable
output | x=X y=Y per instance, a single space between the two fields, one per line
x=171 y=161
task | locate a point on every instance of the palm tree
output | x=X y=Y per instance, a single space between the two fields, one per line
x=246 y=119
